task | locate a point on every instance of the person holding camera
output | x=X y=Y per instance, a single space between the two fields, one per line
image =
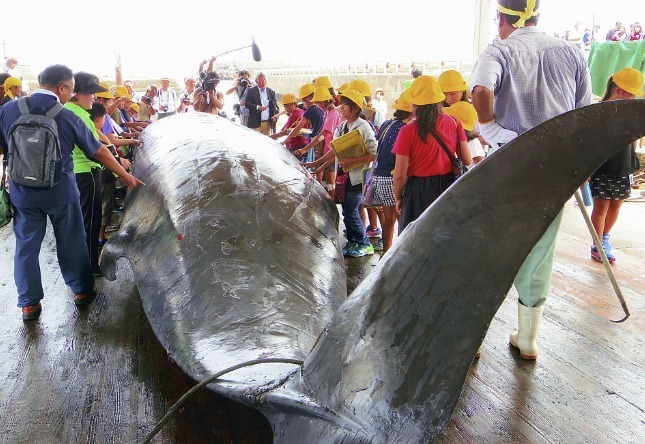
x=242 y=83
x=262 y=105
x=187 y=96
x=167 y=99
x=148 y=104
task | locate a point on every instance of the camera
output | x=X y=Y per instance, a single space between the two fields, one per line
x=148 y=100
x=164 y=108
x=244 y=82
x=209 y=81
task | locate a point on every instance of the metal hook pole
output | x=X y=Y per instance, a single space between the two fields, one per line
x=601 y=250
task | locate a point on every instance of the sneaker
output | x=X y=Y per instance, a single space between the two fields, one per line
x=595 y=254
x=113 y=227
x=373 y=232
x=348 y=246
x=378 y=245
x=361 y=250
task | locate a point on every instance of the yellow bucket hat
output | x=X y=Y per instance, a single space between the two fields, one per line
x=289 y=98
x=403 y=102
x=323 y=81
x=425 y=90
x=464 y=112
x=355 y=96
x=342 y=88
x=451 y=81
x=360 y=85
x=135 y=107
x=105 y=94
x=305 y=90
x=120 y=91
x=12 y=81
x=628 y=79
x=321 y=94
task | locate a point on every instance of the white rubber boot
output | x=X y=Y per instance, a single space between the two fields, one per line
x=528 y=321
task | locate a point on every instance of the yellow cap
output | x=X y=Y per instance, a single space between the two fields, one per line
x=106 y=94
x=120 y=91
x=343 y=87
x=12 y=81
x=135 y=107
x=403 y=102
x=425 y=90
x=628 y=79
x=464 y=112
x=360 y=85
x=323 y=81
x=451 y=81
x=355 y=96
x=289 y=98
x=305 y=90
x=321 y=94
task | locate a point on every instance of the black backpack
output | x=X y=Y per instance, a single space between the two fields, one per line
x=34 y=153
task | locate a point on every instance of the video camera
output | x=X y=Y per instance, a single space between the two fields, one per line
x=244 y=82
x=209 y=81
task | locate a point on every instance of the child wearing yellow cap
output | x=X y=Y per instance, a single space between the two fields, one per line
x=466 y=114
x=454 y=87
x=610 y=184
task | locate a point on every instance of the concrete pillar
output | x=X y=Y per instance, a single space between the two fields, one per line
x=482 y=26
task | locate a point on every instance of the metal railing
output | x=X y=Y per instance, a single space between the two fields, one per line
x=385 y=68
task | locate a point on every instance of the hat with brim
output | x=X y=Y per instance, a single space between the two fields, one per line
x=12 y=81
x=425 y=90
x=306 y=90
x=362 y=86
x=452 y=81
x=107 y=94
x=403 y=102
x=289 y=98
x=628 y=79
x=86 y=83
x=343 y=87
x=464 y=112
x=121 y=91
x=321 y=94
x=355 y=96
x=135 y=107
x=323 y=81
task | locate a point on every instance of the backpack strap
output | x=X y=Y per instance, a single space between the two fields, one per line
x=54 y=110
x=23 y=105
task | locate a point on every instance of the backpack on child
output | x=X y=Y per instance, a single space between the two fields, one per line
x=34 y=153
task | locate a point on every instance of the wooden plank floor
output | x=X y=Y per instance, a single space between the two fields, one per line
x=100 y=376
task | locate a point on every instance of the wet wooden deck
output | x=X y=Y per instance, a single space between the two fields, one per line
x=100 y=376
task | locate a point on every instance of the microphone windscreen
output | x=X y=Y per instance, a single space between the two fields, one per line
x=257 y=55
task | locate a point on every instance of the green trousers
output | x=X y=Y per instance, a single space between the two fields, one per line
x=534 y=278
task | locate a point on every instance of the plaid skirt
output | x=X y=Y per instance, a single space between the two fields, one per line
x=384 y=191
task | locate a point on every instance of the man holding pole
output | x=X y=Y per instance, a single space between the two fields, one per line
x=519 y=82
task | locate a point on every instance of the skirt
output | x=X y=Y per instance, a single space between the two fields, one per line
x=608 y=187
x=419 y=193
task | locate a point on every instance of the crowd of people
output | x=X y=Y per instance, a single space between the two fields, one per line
x=411 y=156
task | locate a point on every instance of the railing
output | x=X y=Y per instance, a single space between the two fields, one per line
x=386 y=68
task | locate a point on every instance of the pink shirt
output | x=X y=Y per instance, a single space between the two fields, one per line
x=332 y=120
x=296 y=141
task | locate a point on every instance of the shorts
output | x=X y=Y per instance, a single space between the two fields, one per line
x=384 y=190
x=608 y=187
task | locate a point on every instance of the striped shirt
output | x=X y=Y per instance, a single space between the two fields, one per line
x=534 y=78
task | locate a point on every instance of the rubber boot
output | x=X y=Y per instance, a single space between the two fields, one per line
x=528 y=320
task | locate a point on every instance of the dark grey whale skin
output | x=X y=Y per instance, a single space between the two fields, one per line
x=233 y=246
x=390 y=364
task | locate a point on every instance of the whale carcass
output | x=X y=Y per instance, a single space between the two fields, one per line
x=236 y=255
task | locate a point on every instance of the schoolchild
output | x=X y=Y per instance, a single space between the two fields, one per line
x=383 y=171
x=313 y=118
x=290 y=104
x=610 y=183
x=351 y=105
x=466 y=114
x=423 y=170
x=454 y=87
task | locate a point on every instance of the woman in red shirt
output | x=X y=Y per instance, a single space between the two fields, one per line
x=423 y=169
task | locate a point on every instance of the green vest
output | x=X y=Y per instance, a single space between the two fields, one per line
x=81 y=163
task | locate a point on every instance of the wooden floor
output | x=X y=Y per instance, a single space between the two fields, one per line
x=100 y=376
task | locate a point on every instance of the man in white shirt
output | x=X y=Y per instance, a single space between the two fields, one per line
x=167 y=99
